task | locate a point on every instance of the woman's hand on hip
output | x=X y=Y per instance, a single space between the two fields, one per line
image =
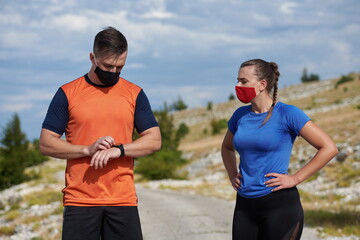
x=280 y=181
x=235 y=181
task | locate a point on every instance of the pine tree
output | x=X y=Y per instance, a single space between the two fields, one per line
x=13 y=154
x=179 y=105
x=306 y=78
x=13 y=138
x=16 y=153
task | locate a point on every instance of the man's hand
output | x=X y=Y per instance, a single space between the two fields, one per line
x=101 y=144
x=101 y=158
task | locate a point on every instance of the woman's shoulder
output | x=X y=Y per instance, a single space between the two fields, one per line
x=237 y=115
x=283 y=107
x=242 y=110
x=289 y=111
x=293 y=117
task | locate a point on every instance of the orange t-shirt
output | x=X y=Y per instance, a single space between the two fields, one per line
x=93 y=112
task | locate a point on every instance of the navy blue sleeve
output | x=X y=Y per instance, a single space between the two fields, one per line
x=144 y=117
x=57 y=116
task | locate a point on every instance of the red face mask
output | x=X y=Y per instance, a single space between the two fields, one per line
x=245 y=94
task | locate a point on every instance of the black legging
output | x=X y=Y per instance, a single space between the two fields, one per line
x=276 y=216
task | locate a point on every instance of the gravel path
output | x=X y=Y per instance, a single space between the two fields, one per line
x=176 y=215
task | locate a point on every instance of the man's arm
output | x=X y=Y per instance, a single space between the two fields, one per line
x=52 y=145
x=149 y=142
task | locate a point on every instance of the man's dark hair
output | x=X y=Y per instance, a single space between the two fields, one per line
x=109 y=42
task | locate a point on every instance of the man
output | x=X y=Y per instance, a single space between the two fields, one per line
x=98 y=113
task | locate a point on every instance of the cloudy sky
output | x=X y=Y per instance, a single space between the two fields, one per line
x=188 y=49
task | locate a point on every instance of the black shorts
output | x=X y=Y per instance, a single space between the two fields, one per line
x=276 y=216
x=107 y=222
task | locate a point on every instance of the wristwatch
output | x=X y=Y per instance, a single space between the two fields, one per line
x=122 y=150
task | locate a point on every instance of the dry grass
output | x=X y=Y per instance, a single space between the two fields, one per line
x=203 y=145
x=343 y=125
x=329 y=97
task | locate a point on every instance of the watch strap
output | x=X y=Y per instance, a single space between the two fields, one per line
x=122 y=150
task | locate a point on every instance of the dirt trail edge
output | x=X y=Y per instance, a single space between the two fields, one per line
x=175 y=215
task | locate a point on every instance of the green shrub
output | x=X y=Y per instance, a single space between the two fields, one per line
x=348 y=221
x=309 y=78
x=231 y=97
x=12 y=215
x=344 y=79
x=16 y=153
x=205 y=131
x=164 y=164
x=7 y=231
x=43 y=197
x=12 y=170
x=182 y=131
x=179 y=105
x=218 y=125
x=337 y=101
x=160 y=165
x=209 y=106
x=34 y=156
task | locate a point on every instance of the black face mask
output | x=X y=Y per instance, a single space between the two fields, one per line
x=107 y=78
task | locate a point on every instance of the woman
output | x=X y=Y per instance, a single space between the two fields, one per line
x=268 y=204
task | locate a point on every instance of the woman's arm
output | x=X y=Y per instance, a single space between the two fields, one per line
x=326 y=151
x=229 y=159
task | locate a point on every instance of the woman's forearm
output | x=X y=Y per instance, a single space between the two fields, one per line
x=321 y=158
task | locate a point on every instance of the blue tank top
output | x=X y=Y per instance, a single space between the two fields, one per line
x=264 y=148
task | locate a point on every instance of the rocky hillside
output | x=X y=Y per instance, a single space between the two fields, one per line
x=32 y=210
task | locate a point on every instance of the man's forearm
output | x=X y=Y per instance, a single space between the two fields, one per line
x=60 y=148
x=52 y=145
x=148 y=143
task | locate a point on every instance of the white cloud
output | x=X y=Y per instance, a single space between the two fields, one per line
x=24 y=101
x=57 y=6
x=343 y=51
x=146 y=35
x=149 y=35
x=135 y=65
x=341 y=47
x=29 y=95
x=11 y=19
x=261 y=18
x=352 y=29
x=19 y=39
x=158 y=14
x=288 y=7
x=71 y=22
x=320 y=13
x=16 y=107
